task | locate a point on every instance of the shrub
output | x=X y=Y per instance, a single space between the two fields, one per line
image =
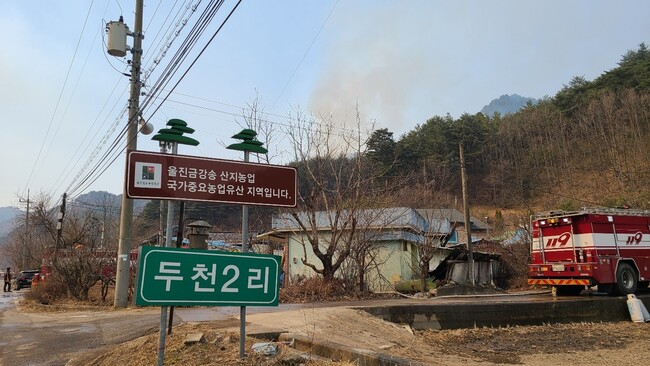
x=312 y=289
x=48 y=291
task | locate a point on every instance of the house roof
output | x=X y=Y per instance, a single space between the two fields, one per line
x=452 y=215
x=381 y=218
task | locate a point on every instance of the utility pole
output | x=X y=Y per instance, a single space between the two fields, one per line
x=59 y=224
x=468 y=221
x=26 y=241
x=126 y=217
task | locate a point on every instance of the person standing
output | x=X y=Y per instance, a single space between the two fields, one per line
x=7 y=287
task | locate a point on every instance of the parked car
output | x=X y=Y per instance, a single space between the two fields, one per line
x=24 y=278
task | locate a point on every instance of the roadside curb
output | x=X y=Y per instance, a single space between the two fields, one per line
x=338 y=352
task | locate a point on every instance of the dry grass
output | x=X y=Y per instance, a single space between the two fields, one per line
x=220 y=348
x=314 y=289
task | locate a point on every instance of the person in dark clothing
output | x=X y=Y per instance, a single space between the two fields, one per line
x=7 y=287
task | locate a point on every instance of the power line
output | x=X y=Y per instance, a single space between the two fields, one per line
x=304 y=55
x=108 y=153
x=99 y=145
x=209 y=14
x=111 y=130
x=93 y=126
x=267 y=120
x=56 y=108
x=183 y=51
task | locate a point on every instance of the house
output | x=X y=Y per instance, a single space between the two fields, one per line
x=391 y=235
x=479 y=228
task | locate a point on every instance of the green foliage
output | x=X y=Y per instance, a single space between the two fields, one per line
x=568 y=205
x=633 y=72
x=432 y=140
x=590 y=137
x=151 y=210
x=499 y=222
x=382 y=152
x=588 y=142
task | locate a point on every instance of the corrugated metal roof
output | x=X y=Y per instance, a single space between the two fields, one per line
x=383 y=218
x=452 y=215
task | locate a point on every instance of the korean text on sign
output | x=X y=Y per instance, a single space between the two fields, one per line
x=174 y=276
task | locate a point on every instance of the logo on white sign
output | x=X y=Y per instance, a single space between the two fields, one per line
x=148 y=175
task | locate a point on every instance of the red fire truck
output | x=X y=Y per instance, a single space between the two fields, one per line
x=604 y=247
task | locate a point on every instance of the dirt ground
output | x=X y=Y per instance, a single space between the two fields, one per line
x=622 y=343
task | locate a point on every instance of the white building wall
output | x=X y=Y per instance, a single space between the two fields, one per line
x=396 y=260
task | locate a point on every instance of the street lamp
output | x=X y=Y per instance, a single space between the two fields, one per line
x=248 y=144
x=171 y=137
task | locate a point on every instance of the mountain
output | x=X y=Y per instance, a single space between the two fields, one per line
x=7 y=217
x=507 y=104
x=8 y=213
x=101 y=199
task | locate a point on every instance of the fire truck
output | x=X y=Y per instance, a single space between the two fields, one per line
x=607 y=248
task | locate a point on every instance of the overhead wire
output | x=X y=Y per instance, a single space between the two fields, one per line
x=109 y=210
x=96 y=173
x=183 y=51
x=267 y=120
x=107 y=153
x=181 y=20
x=91 y=127
x=151 y=97
x=56 y=108
x=304 y=55
x=113 y=146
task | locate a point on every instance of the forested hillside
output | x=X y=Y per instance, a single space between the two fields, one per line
x=586 y=146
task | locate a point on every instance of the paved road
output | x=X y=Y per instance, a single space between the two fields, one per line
x=53 y=338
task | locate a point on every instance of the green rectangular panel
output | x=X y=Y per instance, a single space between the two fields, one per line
x=190 y=277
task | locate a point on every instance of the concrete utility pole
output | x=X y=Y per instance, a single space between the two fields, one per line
x=126 y=216
x=59 y=224
x=468 y=221
x=26 y=240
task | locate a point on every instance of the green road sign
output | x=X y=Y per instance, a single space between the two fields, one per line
x=190 y=277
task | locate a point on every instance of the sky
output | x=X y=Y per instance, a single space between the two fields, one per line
x=400 y=62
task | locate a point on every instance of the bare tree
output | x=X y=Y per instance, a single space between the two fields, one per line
x=333 y=186
x=374 y=227
x=78 y=258
x=23 y=246
x=255 y=118
x=430 y=196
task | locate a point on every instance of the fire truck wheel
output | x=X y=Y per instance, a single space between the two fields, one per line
x=605 y=288
x=626 y=280
x=569 y=290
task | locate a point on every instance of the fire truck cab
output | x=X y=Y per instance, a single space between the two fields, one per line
x=592 y=247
